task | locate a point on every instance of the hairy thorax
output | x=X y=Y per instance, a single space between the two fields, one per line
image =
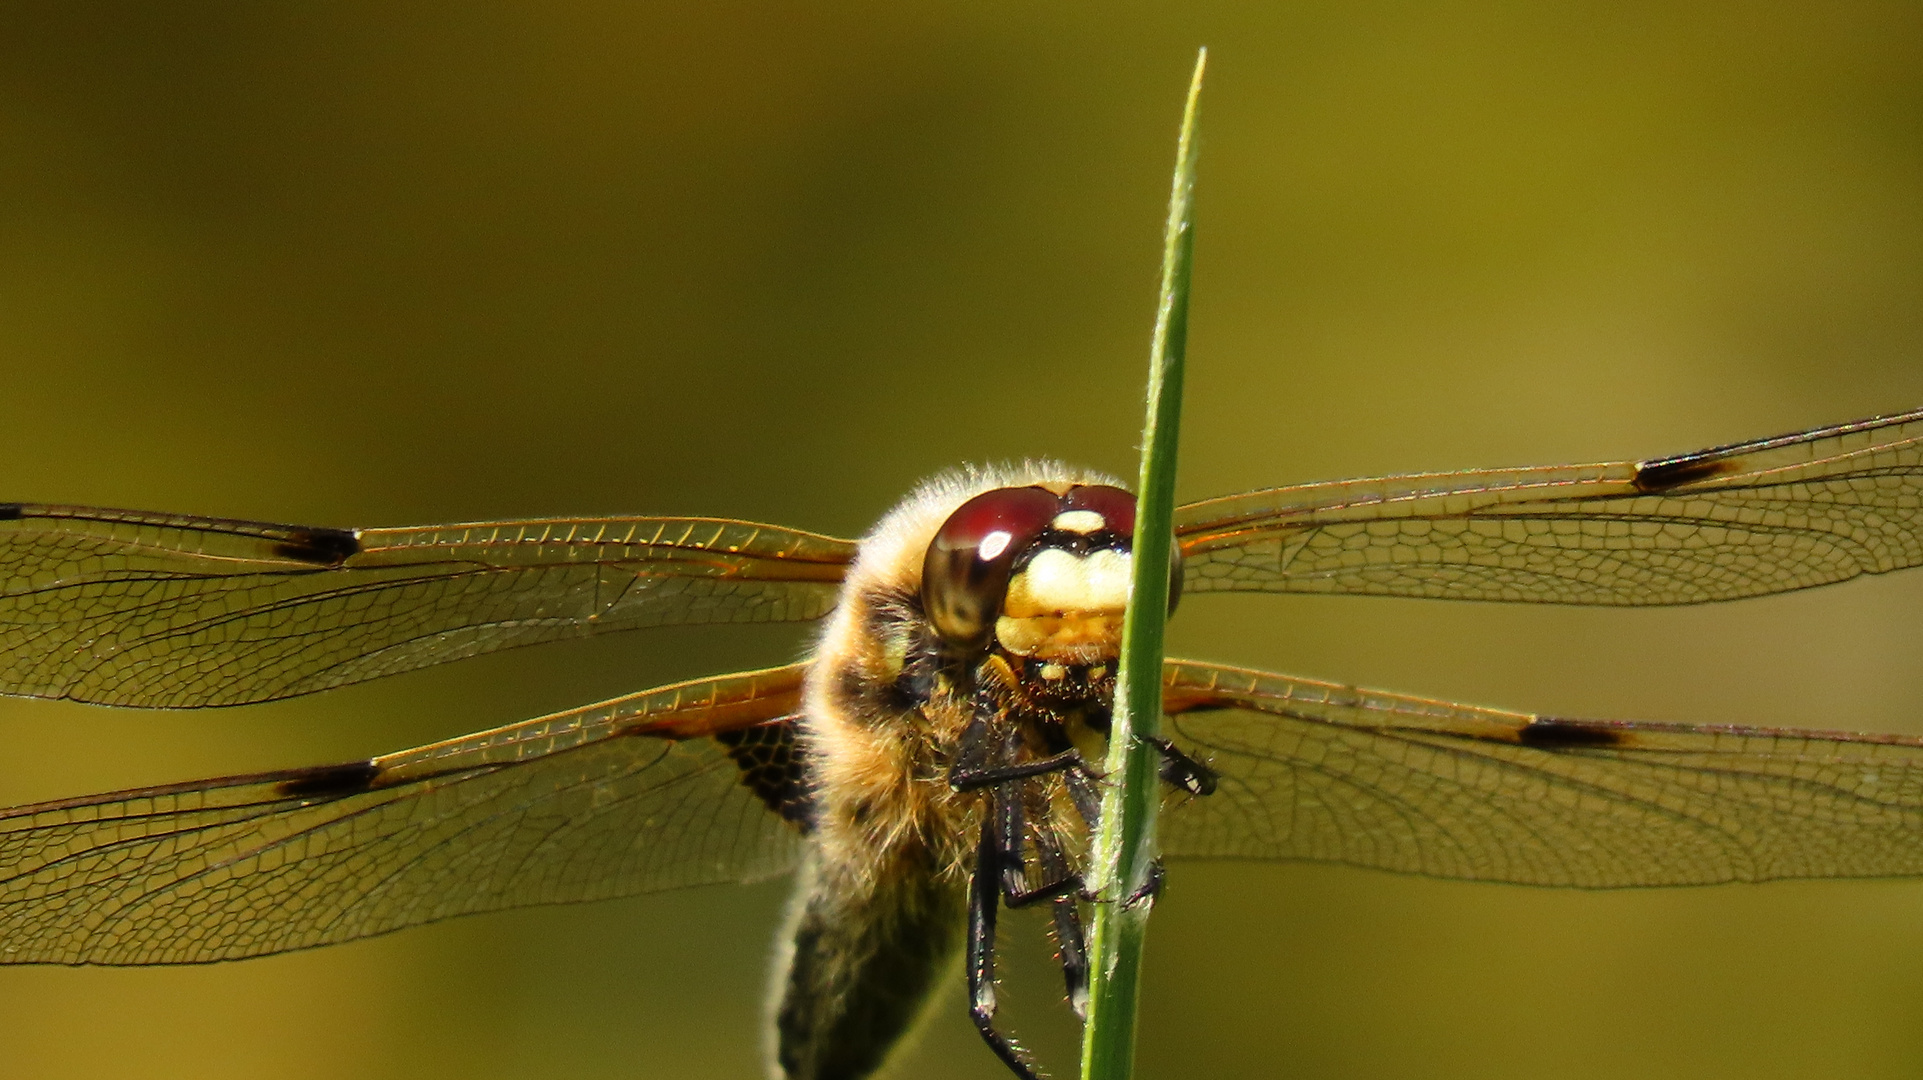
x=884 y=711
x=893 y=710
x=879 y=724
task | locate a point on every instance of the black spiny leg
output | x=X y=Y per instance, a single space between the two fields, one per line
x=1182 y=770
x=1087 y=800
x=971 y=772
x=1011 y=839
x=1005 y=806
x=979 y=763
x=971 y=750
x=984 y=902
x=1151 y=887
x=964 y=778
x=1070 y=943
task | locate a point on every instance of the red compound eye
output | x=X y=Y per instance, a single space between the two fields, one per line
x=965 y=573
x=1116 y=506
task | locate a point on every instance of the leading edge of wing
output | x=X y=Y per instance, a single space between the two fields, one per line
x=1320 y=771
x=1768 y=515
x=158 y=610
x=236 y=540
x=666 y=788
x=1645 y=476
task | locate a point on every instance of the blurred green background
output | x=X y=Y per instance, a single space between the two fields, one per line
x=359 y=264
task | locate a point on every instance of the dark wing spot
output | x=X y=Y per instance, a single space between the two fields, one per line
x=1653 y=477
x=1553 y=733
x=774 y=767
x=329 y=781
x=11 y=511
x=322 y=547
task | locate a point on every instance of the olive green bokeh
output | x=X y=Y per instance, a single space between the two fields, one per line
x=347 y=264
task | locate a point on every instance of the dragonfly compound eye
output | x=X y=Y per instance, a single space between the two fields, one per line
x=965 y=573
x=1117 y=510
x=1114 y=509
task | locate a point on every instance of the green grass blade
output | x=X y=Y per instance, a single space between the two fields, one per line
x=1125 y=846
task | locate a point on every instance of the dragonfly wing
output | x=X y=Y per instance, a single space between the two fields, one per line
x=154 y=610
x=1767 y=516
x=689 y=784
x=1330 y=773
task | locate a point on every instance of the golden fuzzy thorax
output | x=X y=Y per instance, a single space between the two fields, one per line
x=879 y=912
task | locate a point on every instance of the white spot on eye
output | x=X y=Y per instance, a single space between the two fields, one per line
x=993 y=545
x=1079 y=521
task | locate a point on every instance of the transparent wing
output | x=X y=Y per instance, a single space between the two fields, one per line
x=685 y=785
x=1761 y=517
x=123 y=608
x=1316 y=771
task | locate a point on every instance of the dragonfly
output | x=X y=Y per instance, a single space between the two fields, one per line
x=933 y=759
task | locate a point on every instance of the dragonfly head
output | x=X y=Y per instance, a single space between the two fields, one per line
x=1039 y=572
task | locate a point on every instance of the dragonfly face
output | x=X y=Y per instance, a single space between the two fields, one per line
x=926 y=766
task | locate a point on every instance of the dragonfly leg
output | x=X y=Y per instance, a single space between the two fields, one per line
x=1007 y=807
x=984 y=902
x=963 y=778
x=1070 y=943
x=1088 y=801
x=1151 y=887
x=1069 y=885
x=1072 y=947
x=972 y=771
x=980 y=762
x=1182 y=770
x=1176 y=768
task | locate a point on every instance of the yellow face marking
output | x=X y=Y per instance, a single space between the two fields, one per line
x=1054 y=672
x=1057 y=582
x=1079 y=521
x=1066 y=607
x=1073 y=639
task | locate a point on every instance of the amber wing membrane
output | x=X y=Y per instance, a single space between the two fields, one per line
x=123 y=608
x=1761 y=517
x=671 y=787
x=1329 y=773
